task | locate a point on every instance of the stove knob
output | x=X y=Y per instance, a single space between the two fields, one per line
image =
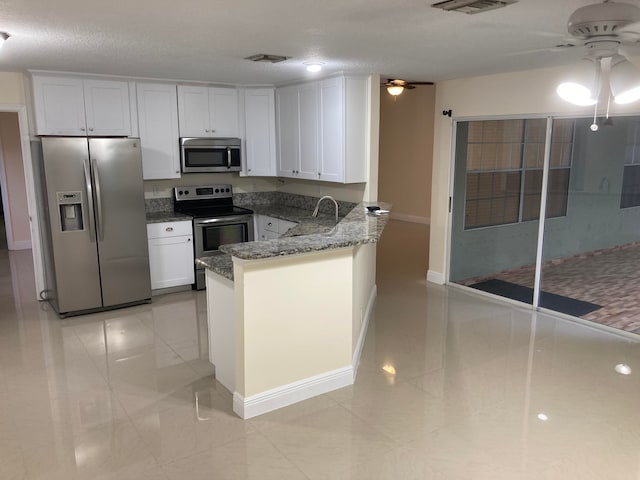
x=186 y=192
x=217 y=190
x=179 y=192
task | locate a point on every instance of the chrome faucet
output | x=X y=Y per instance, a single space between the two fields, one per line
x=315 y=212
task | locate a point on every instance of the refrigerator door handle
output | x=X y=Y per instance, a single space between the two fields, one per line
x=87 y=180
x=96 y=179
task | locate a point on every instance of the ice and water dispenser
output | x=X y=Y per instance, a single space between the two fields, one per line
x=70 y=208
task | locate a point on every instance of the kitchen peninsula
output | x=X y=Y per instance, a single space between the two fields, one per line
x=288 y=317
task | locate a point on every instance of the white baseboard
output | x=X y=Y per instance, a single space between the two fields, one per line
x=435 y=277
x=410 y=218
x=363 y=330
x=19 y=245
x=270 y=400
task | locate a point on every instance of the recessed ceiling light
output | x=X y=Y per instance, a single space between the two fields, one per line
x=543 y=417
x=623 y=369
x=313 y=67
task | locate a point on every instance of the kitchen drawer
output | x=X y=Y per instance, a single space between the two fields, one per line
x=169 y=229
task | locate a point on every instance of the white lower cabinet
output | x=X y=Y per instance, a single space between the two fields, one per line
x=171 y=261
x=269 y=228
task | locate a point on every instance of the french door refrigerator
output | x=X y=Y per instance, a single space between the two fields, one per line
x=95 y=237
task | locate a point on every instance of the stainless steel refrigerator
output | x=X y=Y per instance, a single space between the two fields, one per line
x=94 y=232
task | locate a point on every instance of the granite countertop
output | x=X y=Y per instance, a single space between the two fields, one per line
x=298 y=215
x=167 y=216
x=221 y=263
x=312 y=235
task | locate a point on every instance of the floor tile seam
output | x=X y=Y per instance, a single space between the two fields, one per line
x=270 y=427
x=284 y=455
x=370 y=425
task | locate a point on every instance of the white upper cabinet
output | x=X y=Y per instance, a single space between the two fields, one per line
x=308 y=115
x=260 y=131
x=106 y=105
x=322 y=130
x=207 y=111
x=288 y=131
x=331 y=159
x=79 y=107
x=158 y=123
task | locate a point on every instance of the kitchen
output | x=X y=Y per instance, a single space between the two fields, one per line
x=341 y=110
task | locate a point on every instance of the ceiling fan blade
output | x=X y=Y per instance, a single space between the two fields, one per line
x=419 y=83
x=409 y=86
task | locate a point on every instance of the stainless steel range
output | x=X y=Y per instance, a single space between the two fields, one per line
x=216 y=221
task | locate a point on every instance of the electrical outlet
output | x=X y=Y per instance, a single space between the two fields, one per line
x=157 y=191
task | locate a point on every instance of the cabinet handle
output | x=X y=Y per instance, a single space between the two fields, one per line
x=169 y=229
x=269 y=223
x=319 y=174
x=91 y=129
x=82 y=129
x=207 y=131
x=248 y=169
x=188 y=240
x=177 y=171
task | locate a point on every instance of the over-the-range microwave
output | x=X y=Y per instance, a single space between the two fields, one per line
x=204 y=155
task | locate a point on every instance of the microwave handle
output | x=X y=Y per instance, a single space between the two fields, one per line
x=228 y=157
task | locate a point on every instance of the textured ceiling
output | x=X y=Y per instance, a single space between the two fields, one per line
x=207 y=40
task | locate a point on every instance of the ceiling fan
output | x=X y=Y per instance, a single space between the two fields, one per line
x=608 y=31
x=397 y=86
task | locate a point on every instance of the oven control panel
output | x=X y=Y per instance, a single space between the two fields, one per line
x=202 y=192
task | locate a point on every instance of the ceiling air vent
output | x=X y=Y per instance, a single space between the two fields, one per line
x=472 y=6
x=265 y=57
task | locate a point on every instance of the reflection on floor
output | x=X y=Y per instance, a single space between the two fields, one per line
x=608 y=278
x=451 y=386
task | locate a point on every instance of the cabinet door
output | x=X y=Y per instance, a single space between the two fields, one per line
x=59 y=106
x=308 y=98
x=193 y=111
x=106 y=104
x=158 y=123
x=223 y=110
x=260 y=134
x=331 y=162
x=288 y=131
x=171 y=261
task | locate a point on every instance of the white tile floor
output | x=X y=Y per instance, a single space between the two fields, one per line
x=129 y=394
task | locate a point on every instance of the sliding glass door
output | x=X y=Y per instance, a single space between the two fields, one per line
x=591 y=255
x=587 y=183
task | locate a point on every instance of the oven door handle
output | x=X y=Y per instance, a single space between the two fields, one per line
x=208 y=221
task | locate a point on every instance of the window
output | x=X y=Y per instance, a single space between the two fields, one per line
x=630 y=196
x=504 y=170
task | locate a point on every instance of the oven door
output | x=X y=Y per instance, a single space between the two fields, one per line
x=201 y=155
x=211 y=233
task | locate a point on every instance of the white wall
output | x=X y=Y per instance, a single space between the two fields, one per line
x=530 y=92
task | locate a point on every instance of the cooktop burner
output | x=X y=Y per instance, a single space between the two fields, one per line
x=202 y=201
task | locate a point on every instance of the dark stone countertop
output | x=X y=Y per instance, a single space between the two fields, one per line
x=311 y=235
x=222 y=264
x=167 y=216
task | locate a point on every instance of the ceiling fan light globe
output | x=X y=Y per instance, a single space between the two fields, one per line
x=576 y=94
x=395 y=89
x=628 y=96
x=624 y=81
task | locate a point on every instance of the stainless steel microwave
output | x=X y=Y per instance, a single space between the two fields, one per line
x=206 y=155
